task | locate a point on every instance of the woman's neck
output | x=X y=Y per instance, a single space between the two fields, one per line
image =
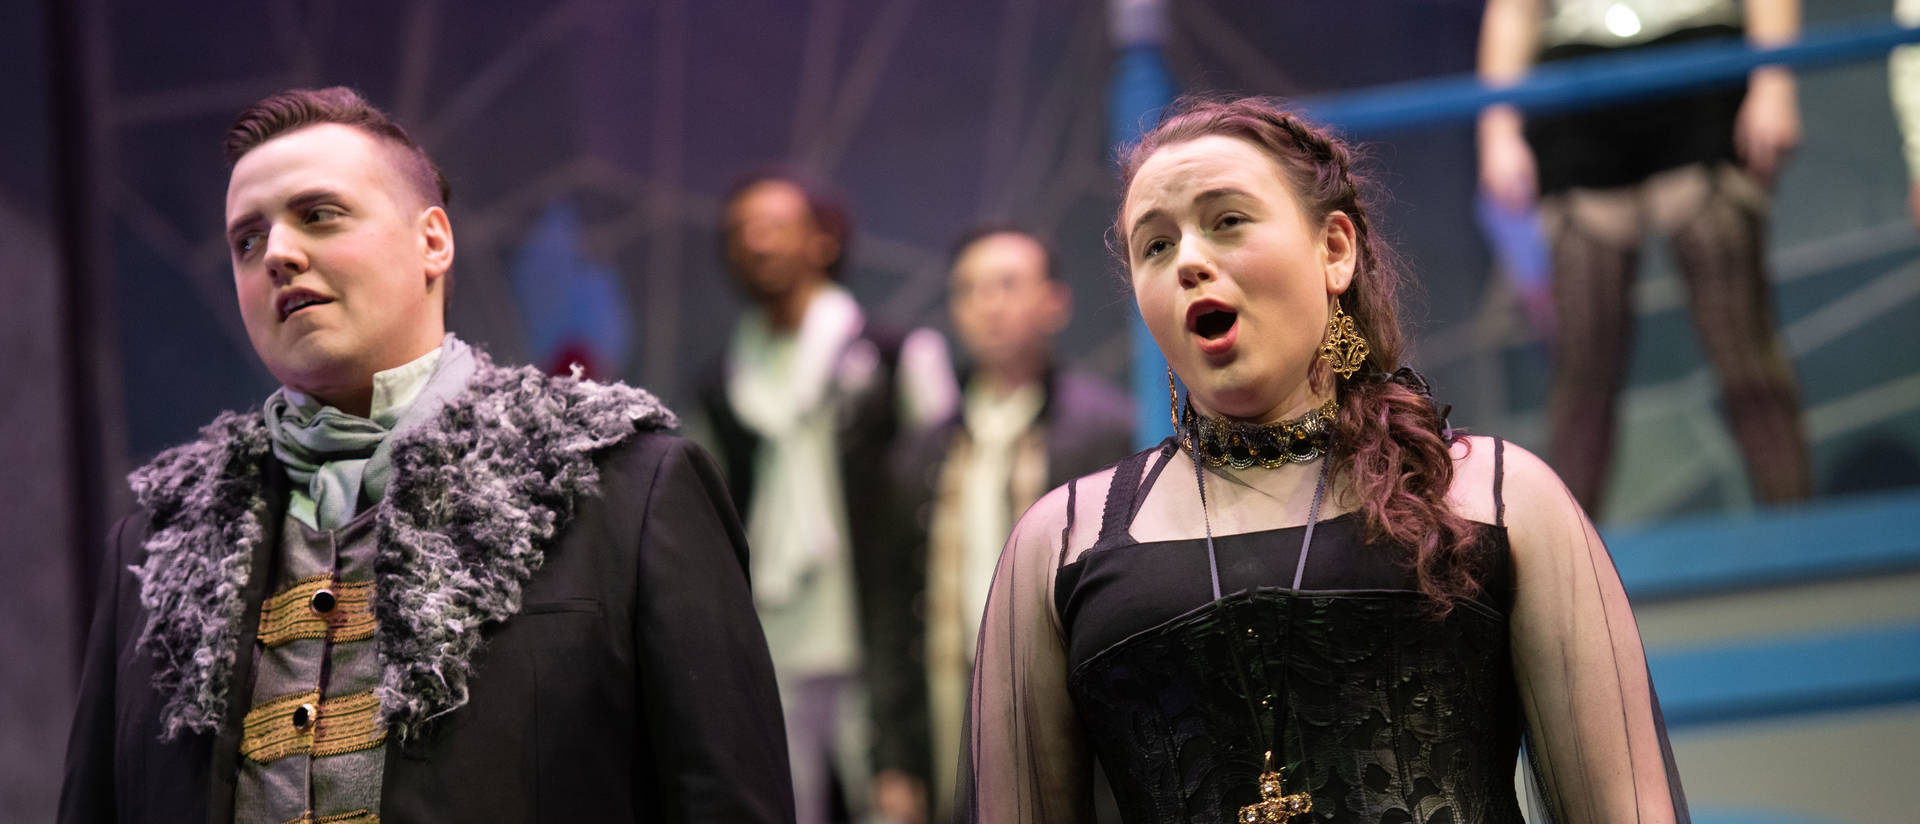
x=1296 y=405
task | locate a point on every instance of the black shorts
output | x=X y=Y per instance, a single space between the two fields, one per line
x=1619 y=145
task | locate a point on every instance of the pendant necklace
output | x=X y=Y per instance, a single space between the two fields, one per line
x=1275 y=805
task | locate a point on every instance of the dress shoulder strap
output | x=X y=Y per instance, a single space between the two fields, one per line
x=1499 y=481
x=1124 y=493
x=1066 y=532
x=1166 y=454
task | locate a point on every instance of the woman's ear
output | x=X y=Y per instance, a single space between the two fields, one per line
x=1339 y=251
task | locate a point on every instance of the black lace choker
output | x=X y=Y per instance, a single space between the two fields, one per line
x=1223 y=442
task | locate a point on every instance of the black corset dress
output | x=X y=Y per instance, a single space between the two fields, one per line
x=1387 y=713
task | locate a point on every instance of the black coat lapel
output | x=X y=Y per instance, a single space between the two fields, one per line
x=226 y=741
x=478 y=497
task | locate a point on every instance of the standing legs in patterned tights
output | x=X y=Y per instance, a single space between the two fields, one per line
x=1716 y=222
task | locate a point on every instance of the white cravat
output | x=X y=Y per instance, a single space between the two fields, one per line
x=394 y=390
x=986 y=489
x=780 y=386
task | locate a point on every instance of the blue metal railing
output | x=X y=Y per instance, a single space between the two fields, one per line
x=1596 y=81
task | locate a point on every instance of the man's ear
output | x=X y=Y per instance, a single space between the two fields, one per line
x=1060 y=298
x=823 y=251
x=436 y=242
x=1339 y=251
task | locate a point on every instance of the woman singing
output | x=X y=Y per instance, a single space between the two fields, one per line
x=1314 y=600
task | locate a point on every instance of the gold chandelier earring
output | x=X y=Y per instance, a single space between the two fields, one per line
x=1344 y=348
x=1173 y=401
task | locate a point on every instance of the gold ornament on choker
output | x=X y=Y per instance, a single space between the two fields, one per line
x=1223 y=442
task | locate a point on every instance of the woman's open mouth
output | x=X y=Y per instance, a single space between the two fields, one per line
x=1214 y=325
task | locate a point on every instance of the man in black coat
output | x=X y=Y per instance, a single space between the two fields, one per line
x=414 y=586
x=1023 y=426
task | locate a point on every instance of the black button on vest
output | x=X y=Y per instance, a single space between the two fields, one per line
x=303 y=716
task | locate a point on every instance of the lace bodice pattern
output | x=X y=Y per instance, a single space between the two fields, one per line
x=1389 y=711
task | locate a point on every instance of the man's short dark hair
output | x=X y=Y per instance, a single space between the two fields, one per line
x=298 y=108
x=987 y=230
x=824 y=203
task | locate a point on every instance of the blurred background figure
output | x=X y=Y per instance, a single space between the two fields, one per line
x=802 y=412
x=1026 y=423
x=1904 y=81
x=1693 y=168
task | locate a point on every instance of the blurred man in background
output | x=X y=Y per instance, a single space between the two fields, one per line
x=803 y=413
x=1025 y=425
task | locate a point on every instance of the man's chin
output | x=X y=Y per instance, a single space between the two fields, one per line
x=311 y=364
x=764 y=291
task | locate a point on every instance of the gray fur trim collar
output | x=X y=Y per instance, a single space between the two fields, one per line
x=478 y=495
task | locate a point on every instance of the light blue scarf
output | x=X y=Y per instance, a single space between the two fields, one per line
x=337 y=460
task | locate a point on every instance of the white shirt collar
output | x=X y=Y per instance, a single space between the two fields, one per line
x=393 y=389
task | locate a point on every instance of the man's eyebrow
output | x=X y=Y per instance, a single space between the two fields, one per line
x=242 y=223
x=299 y=201
x=313 y=196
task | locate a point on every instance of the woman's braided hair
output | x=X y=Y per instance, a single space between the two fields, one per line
x=1391 y=449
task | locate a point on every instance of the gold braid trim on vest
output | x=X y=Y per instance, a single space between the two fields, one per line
x=290 y=615
x=302 y=724
x=355 y=817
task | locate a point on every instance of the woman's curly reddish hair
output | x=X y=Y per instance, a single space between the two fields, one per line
x=1390 y=448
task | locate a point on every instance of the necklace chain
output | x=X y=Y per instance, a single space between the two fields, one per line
x=1274 y=806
